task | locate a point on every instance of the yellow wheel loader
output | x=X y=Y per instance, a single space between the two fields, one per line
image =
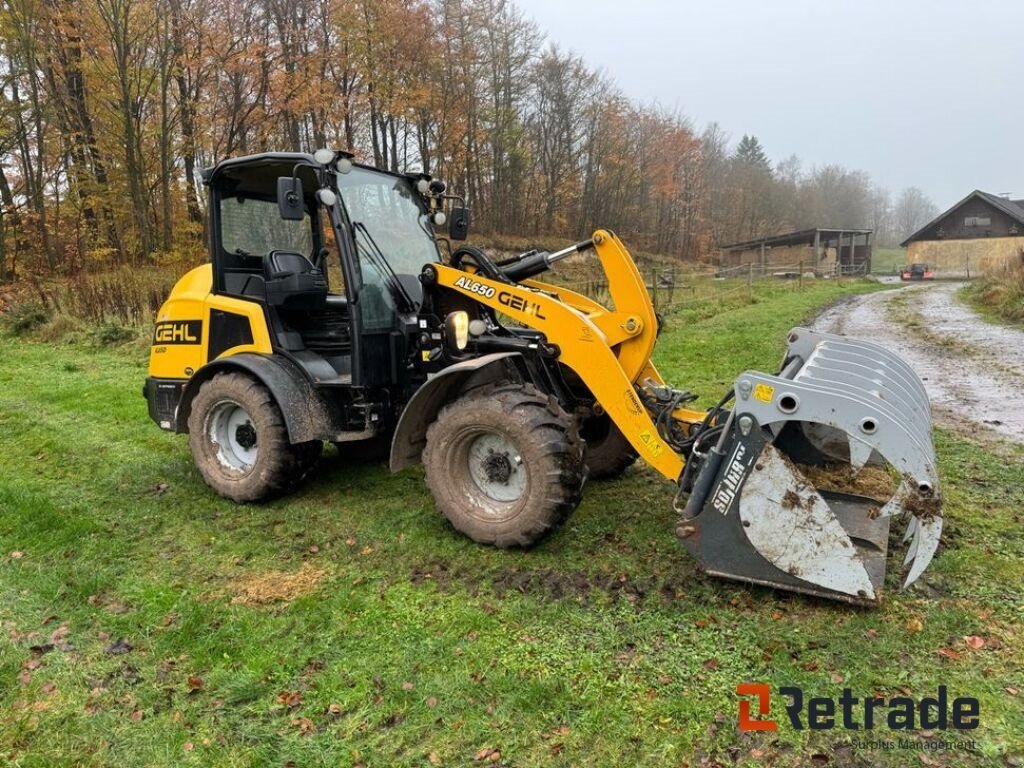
x=331 y=311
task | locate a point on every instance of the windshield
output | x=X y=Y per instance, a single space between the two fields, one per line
x=387 y=207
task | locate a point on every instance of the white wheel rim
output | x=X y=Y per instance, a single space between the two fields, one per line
x=230 y=429
x=496 y=467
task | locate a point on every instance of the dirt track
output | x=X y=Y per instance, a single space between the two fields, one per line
x=973 y=370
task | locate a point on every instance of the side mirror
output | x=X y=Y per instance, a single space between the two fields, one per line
x=458 y=224
x=289 y=198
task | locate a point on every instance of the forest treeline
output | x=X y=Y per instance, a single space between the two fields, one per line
x=110 y=108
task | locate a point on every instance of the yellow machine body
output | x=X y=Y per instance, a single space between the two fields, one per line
x=609 y=349
x=182 y=339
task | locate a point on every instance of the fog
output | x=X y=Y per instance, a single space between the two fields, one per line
x=929 y=94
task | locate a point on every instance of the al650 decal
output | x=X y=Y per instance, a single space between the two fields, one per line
x=474 y=287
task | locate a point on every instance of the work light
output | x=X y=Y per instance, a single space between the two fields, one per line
x=456 y=327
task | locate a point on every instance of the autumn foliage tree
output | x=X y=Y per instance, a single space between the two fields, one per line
x=110 y=108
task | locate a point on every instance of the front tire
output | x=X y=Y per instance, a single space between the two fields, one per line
x=240 y=443
x=504 y=464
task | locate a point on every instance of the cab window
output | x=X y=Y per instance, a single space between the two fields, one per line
x=249 y=226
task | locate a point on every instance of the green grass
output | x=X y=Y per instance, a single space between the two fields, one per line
x=998 y=297
x=886 y=261
x=603 y=646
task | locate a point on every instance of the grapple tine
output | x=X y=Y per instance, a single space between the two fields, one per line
x=926 y=542
x=910 y=530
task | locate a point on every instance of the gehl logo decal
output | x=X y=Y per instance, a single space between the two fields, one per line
x=178 y=332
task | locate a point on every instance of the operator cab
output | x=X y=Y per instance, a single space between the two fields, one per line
x=332 y=250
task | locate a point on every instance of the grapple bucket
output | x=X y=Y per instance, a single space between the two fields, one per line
x=810 y=467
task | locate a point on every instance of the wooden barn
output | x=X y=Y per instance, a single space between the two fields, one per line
x=981 y=233
x=824 y=251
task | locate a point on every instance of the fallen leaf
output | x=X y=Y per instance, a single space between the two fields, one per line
x=1013 y=691
x=408 y=686
x=975 y=642
x=432 y=701
x=24 y=678
x=49 y=688
x=351 y=541
x=169 y=619
x=334 y=710
x=304 y=724
x=836 y=678
x=711 y=664
x=434 y=759
x=366 y=551
x=776 y=615
x=93 y=599
x=31 y=664
x=60 y=633
x=871 y=634
x=914 y=625
x=290 y=699
x=556 y=749
x=949 y=653
x=314 y=549
x=136 y=715
x=103 y=636
x=17 y=555
x=195 y=683
x=189 y=746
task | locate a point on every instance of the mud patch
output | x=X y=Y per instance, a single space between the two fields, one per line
x=275 y=586
x=922 y=507
x=549 y=584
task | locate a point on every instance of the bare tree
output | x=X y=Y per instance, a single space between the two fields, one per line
x=913 y=210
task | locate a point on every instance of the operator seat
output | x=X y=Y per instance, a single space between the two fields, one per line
x=293 y=282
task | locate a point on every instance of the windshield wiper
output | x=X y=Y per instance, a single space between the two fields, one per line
x=377 y=258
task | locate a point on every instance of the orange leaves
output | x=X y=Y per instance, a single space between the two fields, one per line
x=290 y=699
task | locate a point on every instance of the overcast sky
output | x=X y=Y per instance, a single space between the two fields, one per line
x=927 y=93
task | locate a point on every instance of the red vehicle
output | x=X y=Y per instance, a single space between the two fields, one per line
x=917 y=272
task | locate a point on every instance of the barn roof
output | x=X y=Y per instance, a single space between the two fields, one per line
x=1012 y=208
x=800 y=237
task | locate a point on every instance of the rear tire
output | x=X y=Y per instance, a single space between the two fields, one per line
x=239 y=440
x=504 y=464
x=609 y=453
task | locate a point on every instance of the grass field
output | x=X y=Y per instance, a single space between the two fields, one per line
x=886 y=261
x=146 y=622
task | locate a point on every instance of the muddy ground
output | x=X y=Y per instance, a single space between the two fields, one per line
x=973 y=369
